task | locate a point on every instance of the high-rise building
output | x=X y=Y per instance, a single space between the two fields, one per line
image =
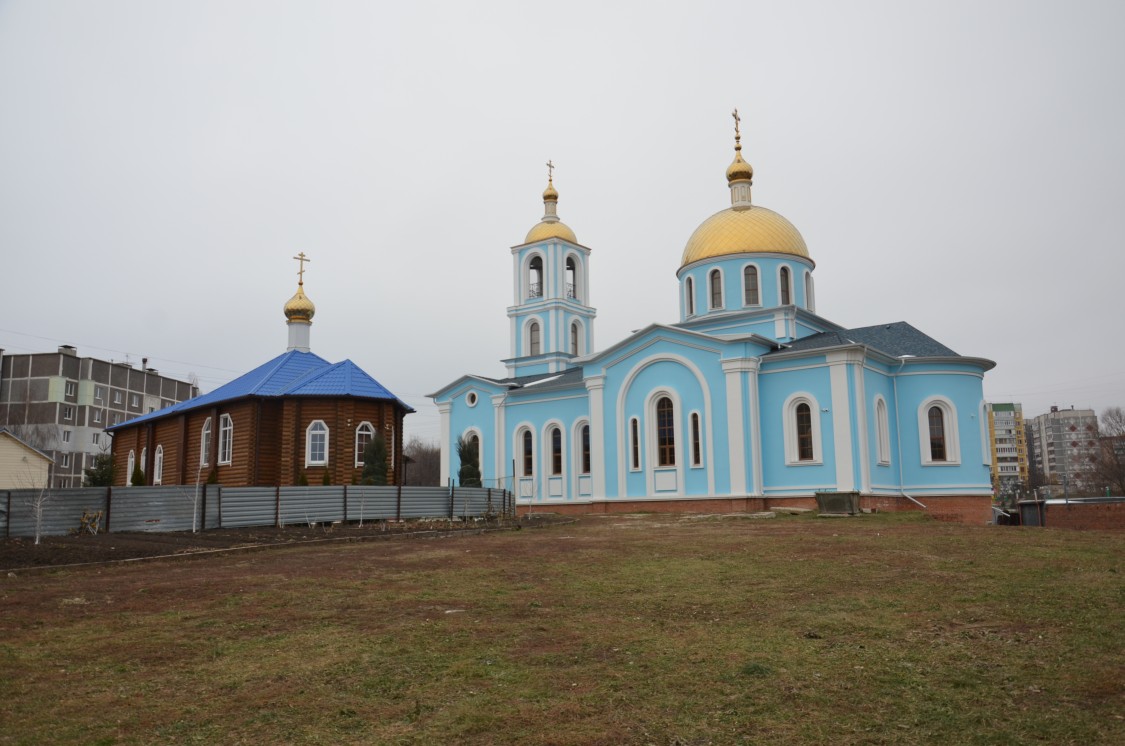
x=1064 y=446
x=1009 y=448
x=61 y=403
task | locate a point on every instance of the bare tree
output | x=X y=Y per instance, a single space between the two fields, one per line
x=424 y=466
x=38 y=495
x=1109 y=468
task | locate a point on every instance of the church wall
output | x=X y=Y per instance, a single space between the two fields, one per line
x=539 y=412
x=481 y=419
x=776 y=385
x=769 y=295
x=963 y=388
x=882 y=476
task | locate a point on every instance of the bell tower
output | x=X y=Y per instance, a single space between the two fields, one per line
x=551 y=321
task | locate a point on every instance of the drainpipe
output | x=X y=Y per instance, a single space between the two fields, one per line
x=898 y=434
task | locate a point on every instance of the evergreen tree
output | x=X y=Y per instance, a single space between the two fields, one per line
x=375 y=462
x=101 y=473
x=138 y=477
x=469 y=474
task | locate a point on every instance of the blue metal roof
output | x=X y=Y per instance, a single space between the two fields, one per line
x=292 y=373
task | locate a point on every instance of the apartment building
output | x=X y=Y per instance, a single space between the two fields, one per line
x=61 y=403
x=1065 y=447
x=1009 y=447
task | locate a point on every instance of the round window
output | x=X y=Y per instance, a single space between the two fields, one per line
x=471 y=398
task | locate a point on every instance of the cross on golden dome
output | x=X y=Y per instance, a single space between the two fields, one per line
x=301 y=272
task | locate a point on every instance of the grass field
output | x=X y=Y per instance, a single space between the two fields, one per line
x=617 y=629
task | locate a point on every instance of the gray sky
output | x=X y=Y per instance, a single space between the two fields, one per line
x=957 y=165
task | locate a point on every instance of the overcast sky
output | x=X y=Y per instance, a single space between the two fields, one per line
x=956 y=165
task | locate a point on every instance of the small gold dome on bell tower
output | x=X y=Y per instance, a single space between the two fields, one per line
x=299 y=308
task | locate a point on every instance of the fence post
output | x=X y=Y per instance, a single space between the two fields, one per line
x=219 y=501
x=398 y=505
x=108 y=506
x=277 y=506
x=451 y=490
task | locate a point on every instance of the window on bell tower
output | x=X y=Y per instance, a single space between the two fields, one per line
x=786 y=287
x=571 y=278
x=533 y=338
x=535 y=278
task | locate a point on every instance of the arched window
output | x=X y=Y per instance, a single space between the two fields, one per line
x=574 y=338
x=363 y=435
x=571 y=278
x=205 y=443
x=535 y=278
x=937 y=434
x=882 y=432
x=226 y=438
x=750 y=286
x=689 y=296
x=528 y=454
x=716 y=282
x=158 y=466
x=810 y=297
x=316 y=443
x=533 y=338
x=802 y=430
x=144 y=459
x=696 y=446
x=804 y=433
x=132 y=466
x=635 y=444
x=786 y=287
x=665 y=432
x=556 y=451
x=585 y=449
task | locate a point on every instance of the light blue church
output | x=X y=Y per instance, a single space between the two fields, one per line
x=751 y=400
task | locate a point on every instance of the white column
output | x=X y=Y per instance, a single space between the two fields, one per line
x=755 y=410
x=595 y=386
x=444 y=410
x=736 y=422
x=500 y=439
x=838 y=363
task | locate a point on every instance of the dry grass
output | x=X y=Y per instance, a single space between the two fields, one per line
x=623 y=629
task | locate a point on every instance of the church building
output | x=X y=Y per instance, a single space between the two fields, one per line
x=295 y=416
x=752 y=400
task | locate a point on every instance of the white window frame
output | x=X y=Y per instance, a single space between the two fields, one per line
x=95 y=438
x=882 y=432
x=949 y=423
x=116 y=397
x=65 y=436
x=695 y=435
x=810 y=292
x=70 y=388
x=158 y=465
x=785 y=283
x=134 y=400
x=789 y=428
x=205 y=443
x=65 y=461
x=711 y=275
x=633 y=443
x=99 y=392
x=367 y=428
x=309 y=434
x=522 y=451
x=144 y=459
x=132 y=465
x=689 y=297
x=758 y=275
x=97 y=416
x=68 y=413
x=226 y=439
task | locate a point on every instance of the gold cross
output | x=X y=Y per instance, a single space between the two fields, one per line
x=301 y=272
x=550 y=171
x=737 y=119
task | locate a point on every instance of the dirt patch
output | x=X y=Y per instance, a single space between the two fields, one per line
x=58 y=551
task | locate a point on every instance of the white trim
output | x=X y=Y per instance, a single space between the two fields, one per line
x=595 y=385
x=226 y=439
x=711 y=291
x=444 y=409
x=158 y=465
x=882 y=432
x=758 y=276
x=781 y=285
x=810 y=292
x=694 y=415
x=519 y=451
x=789 y=428
x=949 y=423
x=985 y=437
x=633 y=445
x=358 y=450
x=841 y=415
x=132 y=465
x=309 y=461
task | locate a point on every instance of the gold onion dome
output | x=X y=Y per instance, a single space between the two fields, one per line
x=743 y=228
x=299 y=307
x=550 y=226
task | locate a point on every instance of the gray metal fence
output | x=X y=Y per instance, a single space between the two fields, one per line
x=182 y=508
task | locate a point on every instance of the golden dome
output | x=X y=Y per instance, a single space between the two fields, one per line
x=743 y=230
x=299 y=308
x=739 y=169
x=545 y=230
x=550 y=193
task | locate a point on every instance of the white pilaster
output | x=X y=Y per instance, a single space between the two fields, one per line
x=446 y=443
x=595 y=386
x=736 y=422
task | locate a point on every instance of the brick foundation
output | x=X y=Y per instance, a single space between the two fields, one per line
x=970 y=509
